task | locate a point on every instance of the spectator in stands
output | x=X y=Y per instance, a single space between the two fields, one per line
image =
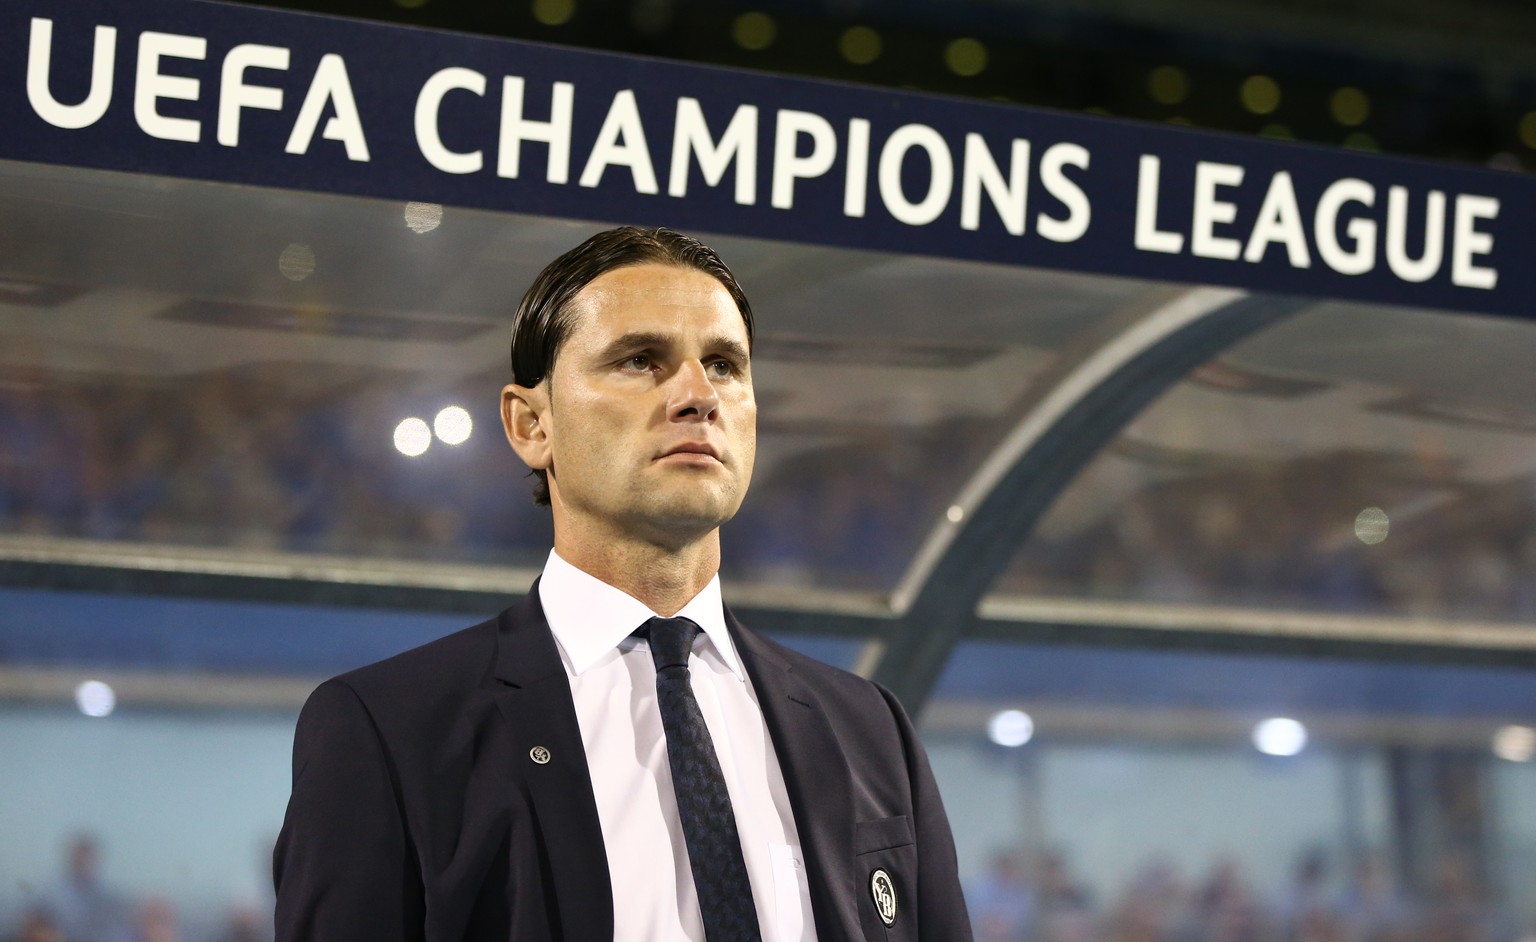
x=1306 y=902
x=1060 y=890
x=84 y=908
x=1002 y=902
x=1155 y=908
x=38 y=926
x=1225 y=909
x=245 y=923
x=1066 y=911
x=1374 y=908
x=1458 y=908
x=157 y=922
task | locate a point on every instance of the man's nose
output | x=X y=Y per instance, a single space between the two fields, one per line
x=693 y=394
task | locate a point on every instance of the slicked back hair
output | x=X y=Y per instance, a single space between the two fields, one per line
x=544 y=317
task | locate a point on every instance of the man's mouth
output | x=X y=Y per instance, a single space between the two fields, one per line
x=703 y=449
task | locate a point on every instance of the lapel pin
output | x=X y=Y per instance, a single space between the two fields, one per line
x=883 y=891
x=539 y=754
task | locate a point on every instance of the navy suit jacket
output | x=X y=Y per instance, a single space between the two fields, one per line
x=418 y=812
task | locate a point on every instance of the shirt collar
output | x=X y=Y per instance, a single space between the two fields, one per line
x=589 y=617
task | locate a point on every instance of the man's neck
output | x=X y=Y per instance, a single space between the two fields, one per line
x=664 y=578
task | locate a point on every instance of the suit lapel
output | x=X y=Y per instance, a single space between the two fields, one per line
x=816 y=777
x=534 y=697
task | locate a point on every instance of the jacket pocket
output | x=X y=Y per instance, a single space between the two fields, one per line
x=881 y=834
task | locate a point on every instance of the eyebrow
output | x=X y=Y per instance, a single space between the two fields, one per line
x=732 y=348
x=640 y=340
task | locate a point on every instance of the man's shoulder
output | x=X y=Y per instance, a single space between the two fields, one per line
x=808 y=665
x=834 y=686
x=436 y=681
x=464 y=655
x=438 y=686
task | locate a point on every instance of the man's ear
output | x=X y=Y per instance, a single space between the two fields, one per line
x=525 y=418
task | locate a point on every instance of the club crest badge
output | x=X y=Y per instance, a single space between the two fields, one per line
x=882 y=889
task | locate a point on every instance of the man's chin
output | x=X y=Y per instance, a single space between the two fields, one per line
x=686 y=515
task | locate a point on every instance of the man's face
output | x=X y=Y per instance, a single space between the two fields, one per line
x=650 y=416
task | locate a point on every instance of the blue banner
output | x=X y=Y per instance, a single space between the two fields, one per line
x=239 y=94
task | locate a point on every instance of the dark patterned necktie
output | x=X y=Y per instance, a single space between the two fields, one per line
x=703 y=804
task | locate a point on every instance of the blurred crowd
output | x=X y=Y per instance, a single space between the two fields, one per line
x=1021 y=899
x=271 y=462
x=1292 y=535
x=279 y=460
x=82 y=907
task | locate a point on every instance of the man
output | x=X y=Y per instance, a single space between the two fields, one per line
x=83 y=906
x=617 y=757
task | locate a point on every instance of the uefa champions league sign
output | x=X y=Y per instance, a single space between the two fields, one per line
x=294 y=100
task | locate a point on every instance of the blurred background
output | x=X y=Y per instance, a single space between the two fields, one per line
x=1259 y=668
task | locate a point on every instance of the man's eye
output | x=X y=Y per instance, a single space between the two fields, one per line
x=722 y=369
x=639 y=362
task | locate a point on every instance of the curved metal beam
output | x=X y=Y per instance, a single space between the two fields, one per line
x=996 y=510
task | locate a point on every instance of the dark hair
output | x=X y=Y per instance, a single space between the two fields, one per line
x=544 y=317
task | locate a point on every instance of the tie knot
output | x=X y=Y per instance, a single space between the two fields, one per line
x=671 y=639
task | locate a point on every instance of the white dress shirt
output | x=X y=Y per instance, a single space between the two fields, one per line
x=613 y=681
